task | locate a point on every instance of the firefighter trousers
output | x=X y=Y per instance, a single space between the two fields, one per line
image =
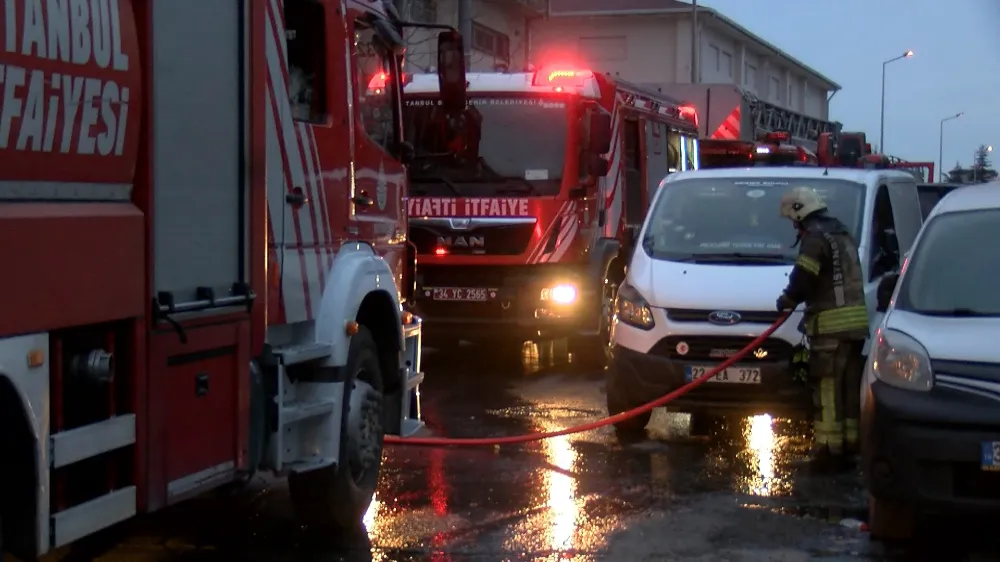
x=835 y=368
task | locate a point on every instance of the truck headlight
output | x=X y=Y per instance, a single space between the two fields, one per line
x=901 y=361
x=632 y=309
x=560 y=294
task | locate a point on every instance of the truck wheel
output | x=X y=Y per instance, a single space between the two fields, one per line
x=701 y=425
x=337 y=497
x=889 y=521
x=592 y=351
x=632 y=429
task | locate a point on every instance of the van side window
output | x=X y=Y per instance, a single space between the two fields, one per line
x=884 y=243
x=373 y=70
x=305 y=38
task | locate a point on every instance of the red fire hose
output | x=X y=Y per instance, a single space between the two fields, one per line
x=538 y=436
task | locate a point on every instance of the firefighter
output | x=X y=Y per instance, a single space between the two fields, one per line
x=827 y=277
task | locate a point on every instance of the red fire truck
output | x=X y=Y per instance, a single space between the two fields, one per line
x=518 y=209
x=203 y=230
x=852 y=150
x=771 y=150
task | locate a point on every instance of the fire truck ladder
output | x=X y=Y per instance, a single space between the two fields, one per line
x=803 y=129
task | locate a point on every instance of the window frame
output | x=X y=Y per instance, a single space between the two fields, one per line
x=391 y=146
x=326 y=115
x=499 y=54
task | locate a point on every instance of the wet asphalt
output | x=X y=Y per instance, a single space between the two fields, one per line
x=736 y=495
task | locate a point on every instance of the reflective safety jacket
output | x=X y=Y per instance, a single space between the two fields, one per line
x=827 y=277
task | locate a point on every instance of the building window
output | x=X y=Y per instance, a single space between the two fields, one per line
x=713 y=58
x=727 y=64
x=423 y=11
x=490 y=41
x=750 y=76
x=774 y=90
x=591 y=49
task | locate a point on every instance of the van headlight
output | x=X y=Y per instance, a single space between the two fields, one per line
x=901 y=361
x=632 y=309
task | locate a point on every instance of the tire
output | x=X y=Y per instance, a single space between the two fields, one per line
x=631 y=429
x=701 y=424
x=336 y=497
x=888 y=521
x=592 y=351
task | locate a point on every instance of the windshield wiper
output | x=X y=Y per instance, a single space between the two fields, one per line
x=435 y=178
x=957 y=312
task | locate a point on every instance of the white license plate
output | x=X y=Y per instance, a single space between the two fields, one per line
x=464 y=294
x=737 y=375
x=990 y=457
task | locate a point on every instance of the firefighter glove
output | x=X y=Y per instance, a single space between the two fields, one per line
x=784 y=303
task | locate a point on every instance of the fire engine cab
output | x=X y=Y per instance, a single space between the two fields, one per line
x=519 y=206
x=203 y=228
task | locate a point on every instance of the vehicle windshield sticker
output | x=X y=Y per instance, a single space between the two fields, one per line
x=760 y=183
x=536 y=174
x=755 y=193
x=742 y=245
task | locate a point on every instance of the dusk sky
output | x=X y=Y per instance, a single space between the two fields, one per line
x=955 y=68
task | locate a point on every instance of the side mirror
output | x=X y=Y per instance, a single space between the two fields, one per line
x=451 y=71
x=600 y=133
x=883 y=294
x=598 y=167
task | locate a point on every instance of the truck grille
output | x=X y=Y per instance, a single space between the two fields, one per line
x=717 y=349
x=478 y=239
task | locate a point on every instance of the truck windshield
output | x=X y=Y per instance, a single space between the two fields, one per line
x=737 y=217
x=499 y=146
x=945 y=278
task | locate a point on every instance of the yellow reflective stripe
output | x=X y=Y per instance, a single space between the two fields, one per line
x=851 y=432
x=842 y=319
x=808 y=264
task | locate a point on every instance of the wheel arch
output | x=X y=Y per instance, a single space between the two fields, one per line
x=360 y=288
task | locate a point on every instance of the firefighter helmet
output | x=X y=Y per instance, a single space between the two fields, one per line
x=801 y=202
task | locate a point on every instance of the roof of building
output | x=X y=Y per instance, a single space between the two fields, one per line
x=600 y=8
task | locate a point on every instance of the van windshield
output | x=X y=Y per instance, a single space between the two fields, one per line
x=706 y=217
x=501 y=145
x=945 y=276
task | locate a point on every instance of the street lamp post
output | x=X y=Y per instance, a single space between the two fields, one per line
x=975 y=164
x=941 y=146
x=881 y=134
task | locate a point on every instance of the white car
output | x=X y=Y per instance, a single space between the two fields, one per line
x=711 y=259
x=931 y=393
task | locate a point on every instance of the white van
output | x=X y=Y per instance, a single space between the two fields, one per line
x=707 y=267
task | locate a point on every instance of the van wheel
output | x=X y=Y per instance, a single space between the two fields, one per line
x=889 y=521
x=632 y=429
x=336 y=497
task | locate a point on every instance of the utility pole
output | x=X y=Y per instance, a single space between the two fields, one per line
x=694 y=42
x=465 y=28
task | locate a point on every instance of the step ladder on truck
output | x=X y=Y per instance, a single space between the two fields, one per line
x=203 y=224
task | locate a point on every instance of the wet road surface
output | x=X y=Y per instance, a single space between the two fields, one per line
x=734 y=495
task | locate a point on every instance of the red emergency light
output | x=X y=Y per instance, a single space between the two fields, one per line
x=688 y=113
x=778 y=136
x=561 y=78
x=377 y=83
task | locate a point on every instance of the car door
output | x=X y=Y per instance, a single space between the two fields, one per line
x=881 y=257
x=906 y=210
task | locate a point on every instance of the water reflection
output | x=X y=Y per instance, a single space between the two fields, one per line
x=561 y=487
x=762 y=444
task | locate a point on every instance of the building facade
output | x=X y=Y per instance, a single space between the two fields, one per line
x=648 y=42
